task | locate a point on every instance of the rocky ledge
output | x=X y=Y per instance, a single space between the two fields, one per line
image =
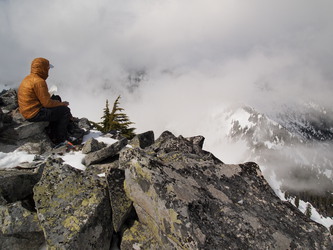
x=149 y=194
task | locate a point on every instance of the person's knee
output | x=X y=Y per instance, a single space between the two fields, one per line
x=59 y=113
x=66 y=112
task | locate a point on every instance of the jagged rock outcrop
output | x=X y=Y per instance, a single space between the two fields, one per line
x=192 y=202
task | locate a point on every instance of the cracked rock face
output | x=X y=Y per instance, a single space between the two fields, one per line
x=192 y=202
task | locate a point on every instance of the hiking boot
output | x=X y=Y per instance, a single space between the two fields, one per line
x=66 y=144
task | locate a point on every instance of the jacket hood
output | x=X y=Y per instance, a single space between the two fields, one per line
x=40 y=66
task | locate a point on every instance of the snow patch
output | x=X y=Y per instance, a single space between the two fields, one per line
x=99 y=137
x=74 y=159
x=242 y=117
x=14 y=159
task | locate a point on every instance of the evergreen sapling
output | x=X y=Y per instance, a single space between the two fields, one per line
x=115 y=121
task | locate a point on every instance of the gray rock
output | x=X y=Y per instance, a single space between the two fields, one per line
x=104 y=153
x=194 y=202
x=37 y=148
x=84 y=124
x=73 y=208
x=167 y=143
x=8 y=98
x=31 y=241
x=101 y=169
x=23 y=130
x=139 y=237
x=17 y=184
x=2 y=200
x=16 y=220
x=143 y=140
x=17 y=117
x=19 y=228
x=92 y=145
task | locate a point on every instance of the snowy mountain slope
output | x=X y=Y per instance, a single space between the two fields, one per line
x=273 y=142
x=309 y=120
x=294 y=150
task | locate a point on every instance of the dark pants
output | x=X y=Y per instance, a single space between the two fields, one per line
x=58 y=117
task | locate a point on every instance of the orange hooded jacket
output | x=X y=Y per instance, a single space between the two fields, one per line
x=33 y=93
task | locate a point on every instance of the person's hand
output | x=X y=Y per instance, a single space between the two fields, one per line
x=65 y=103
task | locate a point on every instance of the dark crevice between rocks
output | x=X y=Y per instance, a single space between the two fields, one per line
x=110 y=159
x=117 y=236
x=29 y=203
x=115 y=179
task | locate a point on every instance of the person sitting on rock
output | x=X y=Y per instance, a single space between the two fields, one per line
x=36 y=104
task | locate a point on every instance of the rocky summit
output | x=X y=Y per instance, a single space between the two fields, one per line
x=144 y=193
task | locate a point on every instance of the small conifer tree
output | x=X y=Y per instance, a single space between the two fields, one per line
x=297 y=201
x=105 y=124
x=308 y=211
x=115 y=120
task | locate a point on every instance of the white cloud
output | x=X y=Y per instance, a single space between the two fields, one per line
x=197 y=54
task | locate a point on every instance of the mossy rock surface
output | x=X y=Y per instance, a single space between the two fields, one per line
x=19 y=228
x=73 y=208
x=139 y=237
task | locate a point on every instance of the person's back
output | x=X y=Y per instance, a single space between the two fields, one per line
x=33 y=92
x=35 y=103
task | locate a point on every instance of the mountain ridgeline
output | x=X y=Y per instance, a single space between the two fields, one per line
x=295 y=145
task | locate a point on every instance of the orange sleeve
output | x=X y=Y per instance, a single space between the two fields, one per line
x=42 y=93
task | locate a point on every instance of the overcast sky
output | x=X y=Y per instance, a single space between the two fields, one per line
x=197 y=55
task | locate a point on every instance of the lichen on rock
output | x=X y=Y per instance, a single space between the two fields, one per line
x=73 y=208
x=189 y=199
x=19 y=228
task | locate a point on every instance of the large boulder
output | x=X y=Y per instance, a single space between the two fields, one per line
x=190 y=200
x=23 y=130
x=73 y=208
